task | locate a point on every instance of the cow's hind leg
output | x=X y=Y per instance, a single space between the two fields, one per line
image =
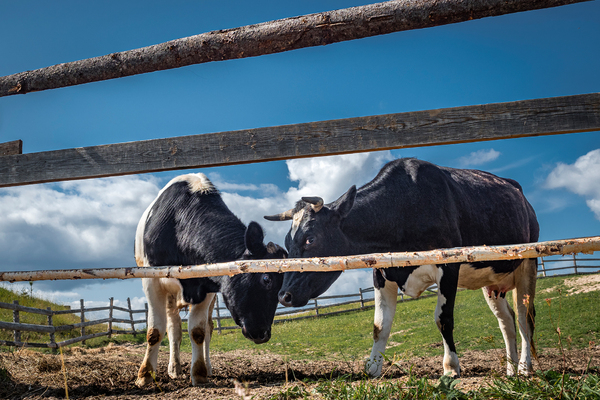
x=157 y=323
x=200 y=331
x=444 y=316
x=385 y=308
x=175 y=336
x=525 y=280
x=506 y=321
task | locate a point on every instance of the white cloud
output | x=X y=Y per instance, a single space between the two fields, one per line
x=91 y=223
x=479 y=157
x=73 y=224
x=581 y=177
x=330 y=177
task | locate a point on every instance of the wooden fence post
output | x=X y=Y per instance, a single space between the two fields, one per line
x=82 y=317
x=131 y=317
x=575 y=263
x=146 y=308
x=218 y=316
x=52 y=340
x=543 y=267
x=316 y=307
x=16 y=320
x=110 y=317
x=362 y=300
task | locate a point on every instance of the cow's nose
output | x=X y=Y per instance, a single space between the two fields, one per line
x=266 y=335
x=285 y=298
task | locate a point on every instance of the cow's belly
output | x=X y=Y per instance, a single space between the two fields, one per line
x=473 y=278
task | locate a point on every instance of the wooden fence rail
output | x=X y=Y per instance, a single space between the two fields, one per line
x=315 y=308
x=549 y=116
x=267 y=38
x=324 y=264
x=17 y=327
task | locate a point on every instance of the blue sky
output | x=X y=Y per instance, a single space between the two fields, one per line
x=537 y=54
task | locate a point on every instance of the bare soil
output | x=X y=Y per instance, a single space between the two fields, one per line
x=110 y=372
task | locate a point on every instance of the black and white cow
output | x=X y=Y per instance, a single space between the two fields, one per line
x=188 y=224
x=414 y=205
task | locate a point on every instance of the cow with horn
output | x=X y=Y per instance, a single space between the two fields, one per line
x=413 y=205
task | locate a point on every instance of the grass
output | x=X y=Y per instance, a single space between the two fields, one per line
x=26 y=299
x=414 y=332
x=544 y=385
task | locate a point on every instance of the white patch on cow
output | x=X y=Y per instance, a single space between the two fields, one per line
x=296 y=220
x=476 y=278
x=385 y=308
x=506 y=321
x=198 y=183
x=420 y=279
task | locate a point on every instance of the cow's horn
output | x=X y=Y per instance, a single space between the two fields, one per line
x=284 y=216
x=315 y=202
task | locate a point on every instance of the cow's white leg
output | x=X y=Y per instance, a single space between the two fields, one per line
x=385 y=308
x=447 y=281
x=199 y=332
x=523 y=296
x=506 y=320
x=157 y=323
x=174 y=334
x=208 y=336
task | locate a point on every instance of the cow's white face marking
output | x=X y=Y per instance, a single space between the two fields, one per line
x=420 y=279
x=296 y=220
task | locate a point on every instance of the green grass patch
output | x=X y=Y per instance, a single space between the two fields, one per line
x=414 y=333
x=26 y=299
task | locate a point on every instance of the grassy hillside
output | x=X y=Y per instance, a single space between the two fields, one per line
x=349 y=336
x=24 y=299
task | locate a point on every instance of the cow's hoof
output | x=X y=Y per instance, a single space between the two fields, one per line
x=175 y=372
x=200 y=380
x=373 y=368
x=142 y=381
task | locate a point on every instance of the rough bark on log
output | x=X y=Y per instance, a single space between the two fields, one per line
x=267 y=38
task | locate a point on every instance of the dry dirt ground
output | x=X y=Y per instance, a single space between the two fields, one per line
x=109 y=372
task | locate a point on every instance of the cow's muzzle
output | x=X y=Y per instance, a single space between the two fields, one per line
x=257 y=337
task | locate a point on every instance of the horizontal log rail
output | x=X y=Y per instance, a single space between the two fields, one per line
x=323 y=264
x=268 y=38
x=549 y=116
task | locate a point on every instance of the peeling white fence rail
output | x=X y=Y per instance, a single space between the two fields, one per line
x=18 y=328
x=566 y=266
x=324 y=264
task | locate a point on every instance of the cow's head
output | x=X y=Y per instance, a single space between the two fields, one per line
x=252 y=298
x=316 y=232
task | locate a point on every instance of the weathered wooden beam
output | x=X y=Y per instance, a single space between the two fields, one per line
x=268 y=38
x=10 y=148
x=324 y=264
x=570 y=114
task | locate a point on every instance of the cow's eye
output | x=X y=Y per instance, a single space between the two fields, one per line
x=266 y=279
x=309 y=240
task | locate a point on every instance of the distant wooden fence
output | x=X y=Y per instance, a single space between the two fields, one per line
x=17 y=327
x=315 y=308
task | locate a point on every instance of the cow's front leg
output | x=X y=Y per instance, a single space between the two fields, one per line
x=444 y=316
x=157 y=323
x=175 y=336
x=199 y=335
x=385 y=308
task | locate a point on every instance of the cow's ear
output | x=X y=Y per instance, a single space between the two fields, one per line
x=254 y=240
x=344 y=204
